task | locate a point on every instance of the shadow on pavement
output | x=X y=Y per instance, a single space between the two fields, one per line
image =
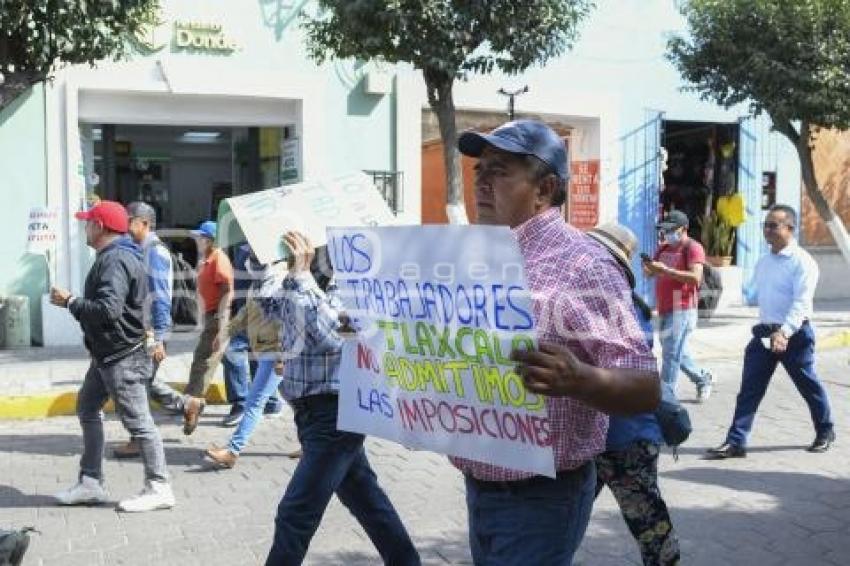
x=11 y=498
x=794 y=518
x=783 y=486
x=72 y=445
x=450 y=548
x=701 y=450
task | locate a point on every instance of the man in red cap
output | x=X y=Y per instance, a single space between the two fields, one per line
x=111 y=315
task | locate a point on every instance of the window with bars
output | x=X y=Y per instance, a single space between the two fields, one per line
x=391 y=186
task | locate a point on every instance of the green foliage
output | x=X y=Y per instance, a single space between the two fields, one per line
x=716 y=235
x=36 y=36
x=789 y=58
x=447 y=38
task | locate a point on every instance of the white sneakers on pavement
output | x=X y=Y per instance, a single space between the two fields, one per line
x=156 y=495
x=704 y=391
x=87 y=491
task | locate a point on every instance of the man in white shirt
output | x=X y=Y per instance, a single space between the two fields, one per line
x=786 y=279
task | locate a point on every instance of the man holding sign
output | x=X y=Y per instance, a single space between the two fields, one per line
x=592 y=358
x=333 y=461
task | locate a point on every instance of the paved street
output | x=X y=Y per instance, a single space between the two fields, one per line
x=780 y=506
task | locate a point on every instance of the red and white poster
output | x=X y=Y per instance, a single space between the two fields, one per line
x=42 y=227
x=583 y=203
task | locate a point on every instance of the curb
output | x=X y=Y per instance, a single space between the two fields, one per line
x=64 y=403
x=835 y=341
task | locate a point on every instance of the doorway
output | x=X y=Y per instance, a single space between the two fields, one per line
x=701 y=166
x=184 y=172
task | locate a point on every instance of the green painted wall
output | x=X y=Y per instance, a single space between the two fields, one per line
x=23 y=185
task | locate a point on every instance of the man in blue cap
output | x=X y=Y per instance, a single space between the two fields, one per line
x=592 y=358
x=215 y=288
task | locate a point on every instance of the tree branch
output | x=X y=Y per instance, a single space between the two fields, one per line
x=787 y=129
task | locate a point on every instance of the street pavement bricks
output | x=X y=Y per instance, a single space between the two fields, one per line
x=780 y=506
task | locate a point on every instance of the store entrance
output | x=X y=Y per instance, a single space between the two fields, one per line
x=185 y=171
x=701 y=166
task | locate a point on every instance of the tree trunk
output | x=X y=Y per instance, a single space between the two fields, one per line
x=440 y=100
x=810 y=182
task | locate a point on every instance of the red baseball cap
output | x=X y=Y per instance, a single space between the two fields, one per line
x=109 y=213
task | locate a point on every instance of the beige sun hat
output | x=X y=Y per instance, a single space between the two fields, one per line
x=620 y=241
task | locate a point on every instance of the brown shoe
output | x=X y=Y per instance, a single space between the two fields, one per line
x=191 y=413
x=222 y=456
x=129 y=450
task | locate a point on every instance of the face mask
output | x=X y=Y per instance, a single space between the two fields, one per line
x=673 y=238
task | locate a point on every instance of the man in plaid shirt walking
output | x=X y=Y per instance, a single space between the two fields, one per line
x=333 y=461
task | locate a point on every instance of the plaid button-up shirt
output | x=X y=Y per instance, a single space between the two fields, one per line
x=581 y=300
x=310 y=343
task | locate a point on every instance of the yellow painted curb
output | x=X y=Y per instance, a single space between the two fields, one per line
x=835 y=341
x=64 y=403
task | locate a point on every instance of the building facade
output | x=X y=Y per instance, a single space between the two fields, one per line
x=223 y=99
x=215 y=101
x=639 y=143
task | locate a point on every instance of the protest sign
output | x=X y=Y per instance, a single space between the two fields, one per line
x=261 y=218
x=42 y=226
x=42 y=233
x=438 y=310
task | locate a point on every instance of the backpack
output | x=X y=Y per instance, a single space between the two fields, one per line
x=710 y=288
x=13 y=545
x=184 y=297
x=184 y=290
x=675 y=423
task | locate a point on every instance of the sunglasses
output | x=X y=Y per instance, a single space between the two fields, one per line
x=771 y=225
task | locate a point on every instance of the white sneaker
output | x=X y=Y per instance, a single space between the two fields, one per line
x=87 y=491
x=156 y=495
x=704 y=391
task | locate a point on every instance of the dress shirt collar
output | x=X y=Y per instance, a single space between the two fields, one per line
x=789 y=250
x=530 y=232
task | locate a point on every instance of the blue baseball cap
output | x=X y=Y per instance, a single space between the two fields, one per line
x=207 y=229
x=522 y=137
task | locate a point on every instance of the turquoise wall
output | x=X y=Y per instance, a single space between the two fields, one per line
x=23 y=185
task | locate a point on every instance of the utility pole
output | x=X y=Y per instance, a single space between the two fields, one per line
x=511 y=96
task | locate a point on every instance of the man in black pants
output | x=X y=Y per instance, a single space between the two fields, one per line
x=333 y=461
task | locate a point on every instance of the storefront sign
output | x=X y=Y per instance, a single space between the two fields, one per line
x=263 y=217
x=289 y=160
x=42 y=227
x=438 y=310
x=202 y=36
x=583 y=204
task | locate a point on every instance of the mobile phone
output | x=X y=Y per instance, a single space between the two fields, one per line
x=645 y=258
x=765 y=341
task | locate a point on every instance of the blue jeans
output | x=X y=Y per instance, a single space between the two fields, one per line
x=263 y=388
x=237 y=374
x=759 y=365
x=674 y=331
x=334 y=461
x=524 y=524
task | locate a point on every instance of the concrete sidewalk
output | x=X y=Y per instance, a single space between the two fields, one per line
x=781 y=506
x=41 y=382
